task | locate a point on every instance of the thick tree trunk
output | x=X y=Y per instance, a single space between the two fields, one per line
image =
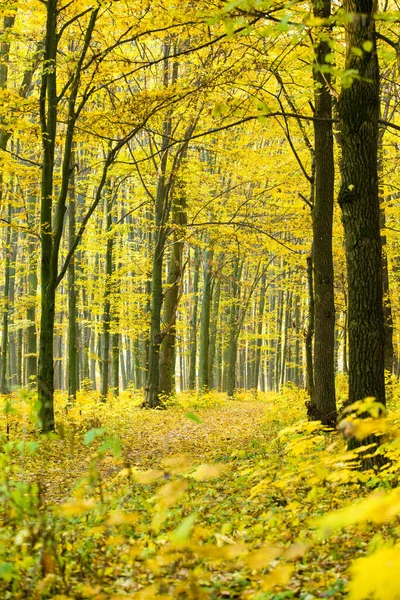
x=172 y=295
x=322 y=219
x=358 y=111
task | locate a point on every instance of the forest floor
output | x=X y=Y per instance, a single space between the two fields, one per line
x=208 y=499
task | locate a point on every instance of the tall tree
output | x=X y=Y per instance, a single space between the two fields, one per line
x=358 y=111
x=322 y=220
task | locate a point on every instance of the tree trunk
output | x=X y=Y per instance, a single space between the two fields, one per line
x=259 y=340
x=115 y=363
x=71 y=286
x=213 y=332
x=233 y=329
x=172 y=295
x=309 y=340
x=205 y=321
x=322 y=219
x=286 y=330
x=31 y=337
x=193 y=321
x=4 y=388
x=358 y=111
x=105 y=355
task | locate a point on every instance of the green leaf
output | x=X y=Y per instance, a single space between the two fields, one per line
x=92 y=434
x=182 y=533
x=356 y=51
x=193 y=417
x=7 y=571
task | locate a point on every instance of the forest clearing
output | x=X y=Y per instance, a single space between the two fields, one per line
x=207 y=499
x=199 y=299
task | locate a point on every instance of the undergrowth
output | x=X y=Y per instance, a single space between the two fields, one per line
x=209 y=499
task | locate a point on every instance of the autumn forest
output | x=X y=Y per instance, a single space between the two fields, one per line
x=199 y=215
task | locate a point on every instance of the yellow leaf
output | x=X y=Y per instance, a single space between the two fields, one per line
x=279 y=576
x=296 y=551
x=366 y=427
x=71 y=509
x=204 y=472
x=148 y=593
x=221 y=553
x=177 y=463
x=261 y=558
x=115 y=540
x=378 y=508
x=171 y=492
x=158 y=519
x=88 y=591
x=118 y=517
x=376 y=576
x=147 y=476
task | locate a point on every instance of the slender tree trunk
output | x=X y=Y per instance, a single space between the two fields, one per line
x=71 y=286
x=286 y=330
x=105 y=355
x=271 y=341
x=213 y=331
x=12 y=345
x=31 y=336
x=205 y=321
x=152 y=391
x=278 y=352
x=260 y=324
x=309 y=340
x=115 y=351
x=233 y=329
x=8 y=23
x=193 y=321
x=123 y=365
x=92 y=348
x=297 y=365
x=4 y=389
x=322 y=219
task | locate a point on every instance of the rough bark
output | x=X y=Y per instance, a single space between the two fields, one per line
x=322 y=220
x=172 y=296
x=358 y=111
